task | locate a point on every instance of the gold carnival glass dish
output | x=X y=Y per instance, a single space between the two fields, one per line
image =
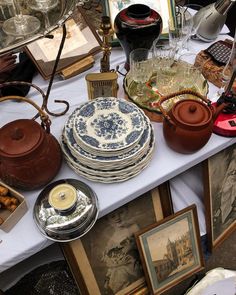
x=177 y=80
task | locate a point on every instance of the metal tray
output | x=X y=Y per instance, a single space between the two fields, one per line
x=57 y=16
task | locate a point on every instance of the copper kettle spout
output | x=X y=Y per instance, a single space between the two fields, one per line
x=217 y=109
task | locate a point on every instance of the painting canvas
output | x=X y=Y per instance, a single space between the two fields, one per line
x=107 y=256
x=170 y=250
x=220 y=195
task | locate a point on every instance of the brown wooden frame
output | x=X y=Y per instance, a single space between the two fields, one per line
x=215 y=175
x=170 y=268
x=159 y=199
x=36 y=50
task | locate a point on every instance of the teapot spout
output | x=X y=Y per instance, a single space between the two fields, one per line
x=217 y=109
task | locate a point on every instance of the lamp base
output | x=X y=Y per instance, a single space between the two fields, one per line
x=225 y=124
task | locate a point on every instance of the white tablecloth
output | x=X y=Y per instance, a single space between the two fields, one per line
x=24 y=239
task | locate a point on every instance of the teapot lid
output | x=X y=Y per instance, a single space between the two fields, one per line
x=20 y=137
x=191 y=112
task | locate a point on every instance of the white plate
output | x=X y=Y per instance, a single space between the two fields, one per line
x=106 y=162
x=108 y=173
x=113 y=179
x=107 y=124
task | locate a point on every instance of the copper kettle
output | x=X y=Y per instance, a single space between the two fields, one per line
x=30 y=157
x=188 y=125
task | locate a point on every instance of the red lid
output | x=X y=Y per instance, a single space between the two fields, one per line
x=20 y=137
x=191 y=112
x=139 y=14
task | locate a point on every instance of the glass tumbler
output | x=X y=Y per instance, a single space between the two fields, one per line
x=180 y=29
x=188 y=73
x=141 y=68
x=163 y=55
x=163 y=67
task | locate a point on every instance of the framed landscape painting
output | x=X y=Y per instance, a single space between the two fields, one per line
x=170 y=250
x=220 y=195
x=106 y=260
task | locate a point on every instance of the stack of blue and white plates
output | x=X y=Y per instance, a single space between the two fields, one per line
x=108 y=140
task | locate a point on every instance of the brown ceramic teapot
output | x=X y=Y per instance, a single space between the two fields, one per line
x=30 y=156
x=187 y=126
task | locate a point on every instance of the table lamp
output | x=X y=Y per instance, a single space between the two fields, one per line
x=210 y=19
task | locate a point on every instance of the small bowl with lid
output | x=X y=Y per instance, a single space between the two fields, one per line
x=65 y=210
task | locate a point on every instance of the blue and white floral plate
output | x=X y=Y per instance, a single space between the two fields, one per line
x=114 y=172
x=101 y=162
x=110 y=176
x=108 y=124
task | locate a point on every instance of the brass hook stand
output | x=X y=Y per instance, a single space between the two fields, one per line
x=45 y=101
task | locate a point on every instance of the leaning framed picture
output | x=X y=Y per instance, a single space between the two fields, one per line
x=106 y=259
x=170 y=250
x=82 y=41
x=166 y=9
x=220 y=195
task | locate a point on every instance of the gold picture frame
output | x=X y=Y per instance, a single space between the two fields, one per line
x=166 y=8
x=219 y=178
x=106 y=258
x=170 y=250
x=82 y=41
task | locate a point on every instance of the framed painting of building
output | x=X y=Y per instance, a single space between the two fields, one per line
x=170 y=250
x=106 y=260
x=220 y=195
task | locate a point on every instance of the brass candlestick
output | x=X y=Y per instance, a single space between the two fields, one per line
x=106 y=32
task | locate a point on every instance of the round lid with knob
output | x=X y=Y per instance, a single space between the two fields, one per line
x=66 y=210
x=20 y=137
x=62 y=197
x=191 y=113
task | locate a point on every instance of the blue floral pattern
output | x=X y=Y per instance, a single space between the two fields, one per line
x=85 y=156
x=108 y=124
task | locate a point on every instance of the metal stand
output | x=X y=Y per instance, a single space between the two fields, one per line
x=45 y=101
x=105 y=32
x=46 y=96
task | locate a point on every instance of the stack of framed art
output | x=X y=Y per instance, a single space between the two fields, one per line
x=139 y=248
x=106 y=260
x=144 y=248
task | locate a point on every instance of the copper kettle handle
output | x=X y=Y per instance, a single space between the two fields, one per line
x=45 y=121
x=186 y=91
